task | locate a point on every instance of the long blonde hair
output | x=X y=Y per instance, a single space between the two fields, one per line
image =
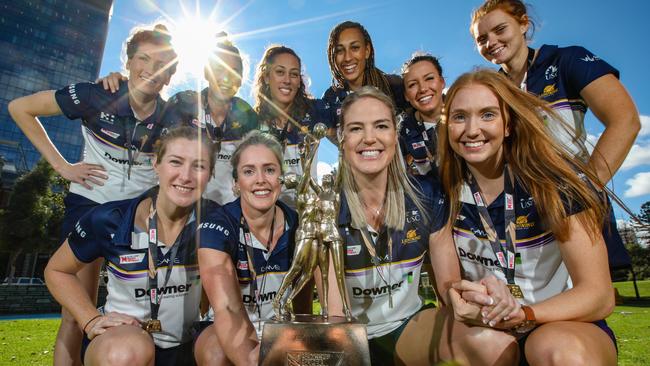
x=543 y=167
x=398 y=186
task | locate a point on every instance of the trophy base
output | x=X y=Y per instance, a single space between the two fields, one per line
x=314 y=340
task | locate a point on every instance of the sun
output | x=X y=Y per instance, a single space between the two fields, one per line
x=194 y=39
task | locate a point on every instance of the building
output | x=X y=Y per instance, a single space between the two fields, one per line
x=46 y=44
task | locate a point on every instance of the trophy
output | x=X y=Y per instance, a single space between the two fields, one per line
x=305 y=339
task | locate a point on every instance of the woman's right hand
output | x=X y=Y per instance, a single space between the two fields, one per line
x=83 y=173
x=112 y=81
x=466 y=311
x=101 y=324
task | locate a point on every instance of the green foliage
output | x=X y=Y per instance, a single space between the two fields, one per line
x=33 y=217
x=631 y=324
x=640 y=260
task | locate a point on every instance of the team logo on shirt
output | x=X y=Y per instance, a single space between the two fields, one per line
x=551 y=72
x=131 y=258
x=235 y=124
x=411 y=236
x=522 y=222
x=107 y=118
x=548 y=91
x=590 y=58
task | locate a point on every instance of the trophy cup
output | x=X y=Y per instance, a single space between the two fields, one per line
x=305 y=339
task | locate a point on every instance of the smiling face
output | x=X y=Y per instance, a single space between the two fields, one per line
x=423 y=87
x=258 y=173
x=283 y=79
x=476 y=127
x=183 y=171
x=369 y=136
x=499 y=36
x=351 y=53
x=223 y=74
x=149 y=69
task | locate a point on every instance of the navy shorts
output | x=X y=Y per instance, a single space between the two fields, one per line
x=602 y=324
x=382 y=349
x=75 y=207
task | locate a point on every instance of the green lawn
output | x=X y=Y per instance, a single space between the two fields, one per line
x=30 y=342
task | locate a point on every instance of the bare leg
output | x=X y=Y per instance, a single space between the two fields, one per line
x=122 y=345
x=338 y=259
x=301 y=259
x=67 y=347
x=306 y=273
x=207 y=350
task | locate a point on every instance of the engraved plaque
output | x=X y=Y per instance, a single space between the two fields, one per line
x=312 y=340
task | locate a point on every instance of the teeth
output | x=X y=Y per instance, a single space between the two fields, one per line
x=370 y=153
x=148 y=80
x=426 y=99
x=496 y=51
x=285 y=91
x=183 y=189
x=474 y=144
x=350 y=68
x=262 y=193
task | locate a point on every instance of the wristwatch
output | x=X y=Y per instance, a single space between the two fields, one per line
x=529 y=322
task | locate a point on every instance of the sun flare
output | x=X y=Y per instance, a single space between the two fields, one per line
x=194 y=40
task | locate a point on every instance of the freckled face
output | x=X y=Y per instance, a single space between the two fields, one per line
x=499 y=36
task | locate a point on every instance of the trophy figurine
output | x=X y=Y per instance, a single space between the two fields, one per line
x=305 y=339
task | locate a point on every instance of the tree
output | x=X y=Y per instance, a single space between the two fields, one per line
x=32 y=220
x=643 y=227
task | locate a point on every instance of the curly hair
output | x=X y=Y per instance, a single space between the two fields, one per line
x=515 y=8
x=158 y=36
x=371 y=74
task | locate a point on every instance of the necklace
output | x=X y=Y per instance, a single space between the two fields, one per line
x=376 y=212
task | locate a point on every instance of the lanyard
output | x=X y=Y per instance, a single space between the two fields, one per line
x=504 y=253
x=248 y=244
x=215 y=133
x=130 y=135
x=376 y=261
x=154 y=297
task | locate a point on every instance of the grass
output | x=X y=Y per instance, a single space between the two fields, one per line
x=30 y=342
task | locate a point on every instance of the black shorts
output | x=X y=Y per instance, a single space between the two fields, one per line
x=602 y=324
x=181 y=355
x=382 y=349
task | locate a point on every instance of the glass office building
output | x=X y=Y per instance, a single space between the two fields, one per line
x=47 y=44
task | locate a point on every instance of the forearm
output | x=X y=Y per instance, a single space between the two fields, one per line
x=582 y=303
x=236 y=335
x=19 y=110
x=611 y=150
x=68 y=291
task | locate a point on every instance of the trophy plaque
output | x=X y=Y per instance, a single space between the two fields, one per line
x=311 y=340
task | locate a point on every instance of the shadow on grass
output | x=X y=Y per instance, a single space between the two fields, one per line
x=643 y=302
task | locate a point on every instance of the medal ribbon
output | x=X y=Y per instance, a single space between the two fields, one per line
x=505 y=253
x=376 y=261
x=154 y=298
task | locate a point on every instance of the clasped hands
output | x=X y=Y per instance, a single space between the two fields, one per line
x=486 y=303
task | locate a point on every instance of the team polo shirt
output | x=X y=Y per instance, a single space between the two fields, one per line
x=317 y=112
x=539 y=268
x=335 y=96
x=221 y=230
x=107 y=123
x=367 y=291
x=240 y=120
x=108 y=232
x=416 y=139
x=557 y=75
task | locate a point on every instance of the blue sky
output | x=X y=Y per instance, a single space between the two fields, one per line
x=398 y=28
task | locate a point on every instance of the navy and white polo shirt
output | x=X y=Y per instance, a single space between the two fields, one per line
x=108 y=231
x=416 y=140
x=107 y=125
x=539 y=269
x=240 y=120
x=221 y=230
x=318 y=112
x=334 y=98
x=368 y=293
x=557 y=75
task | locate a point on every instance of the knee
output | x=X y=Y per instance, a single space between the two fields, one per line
x=570 y=352
x=129 y=352
x=210 y=356
x=488 y=346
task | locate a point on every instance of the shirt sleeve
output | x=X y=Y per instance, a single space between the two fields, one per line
x=217 y=232
x=85 y=239
x=246 y=116
x=582 y=67
x=434 y=200
x=76 y=100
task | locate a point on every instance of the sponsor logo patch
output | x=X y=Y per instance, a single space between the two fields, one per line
x=131 y=258
x=418 y=145
x=354 y=249
x=110 y=133
x=411 y=236
x=548 y=91
x=522 y=222
x=551 y=72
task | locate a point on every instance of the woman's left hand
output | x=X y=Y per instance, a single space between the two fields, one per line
x=504 y=306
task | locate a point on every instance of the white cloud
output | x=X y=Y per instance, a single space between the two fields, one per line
x=591 y=142
x=323 y=168
x=639 y=185
x=645 y=125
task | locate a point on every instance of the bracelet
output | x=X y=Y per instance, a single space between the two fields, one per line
x=90 y=321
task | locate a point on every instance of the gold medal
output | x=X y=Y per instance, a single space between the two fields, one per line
x=152 y=326
x=515 y=290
